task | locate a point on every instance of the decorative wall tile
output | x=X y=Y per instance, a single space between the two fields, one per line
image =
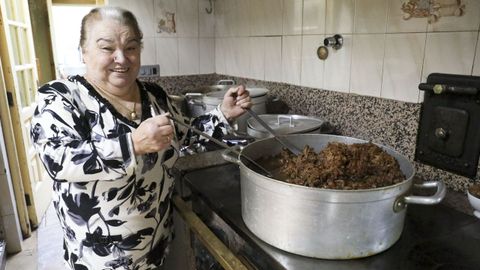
x=451 y=52
x=166 y=18
x=312 y=66
x=291 y=59
x=461 y=15
x=401 y=21
x=367 y=64
x=207 y=55
x=337 y=67
x=257 y=58
x=292 y=17
x=231 y=67
x=314 y=16
x=187 y=18
x=206 y=21
x=476 y=64
x=370 y=16
x=149 y=53
x=402 y=70
x=339 y=19
x=273 y=59
x=167 y=56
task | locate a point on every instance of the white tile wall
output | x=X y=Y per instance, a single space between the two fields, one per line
x=367 y=64
x=167 y=56
x=273 y=59
x=402 y=70
x=188 y=56
x=187 y=18
x=339 y=16
x=207 y=55
x=370 y=16
x=206 y=22
x=292 y=17
x=312 y=66
x=291 y=59
x=336 y=75
x=449 y=52
x=314 y=16
x=220 y=67
x=386 y=51
x=257 y=58
x=149 y=52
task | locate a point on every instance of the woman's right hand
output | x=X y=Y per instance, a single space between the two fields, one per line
x=152 y=135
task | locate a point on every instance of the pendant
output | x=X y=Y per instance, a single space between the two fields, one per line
x=133 y=115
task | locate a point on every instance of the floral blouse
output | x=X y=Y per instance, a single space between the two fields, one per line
x=114 y=207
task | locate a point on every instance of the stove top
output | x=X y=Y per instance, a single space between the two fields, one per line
x=434 y=237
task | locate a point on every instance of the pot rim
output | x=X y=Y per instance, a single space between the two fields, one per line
x=408 y=178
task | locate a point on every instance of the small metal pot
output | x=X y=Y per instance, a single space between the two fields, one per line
x=199 y=104
x=285 y=124
x=325 y=223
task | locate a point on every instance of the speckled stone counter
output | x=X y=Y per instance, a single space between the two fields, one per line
x=383 y=121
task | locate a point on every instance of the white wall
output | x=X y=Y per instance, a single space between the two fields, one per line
x=384 y=55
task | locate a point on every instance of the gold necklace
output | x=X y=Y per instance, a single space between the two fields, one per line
x=131 y=113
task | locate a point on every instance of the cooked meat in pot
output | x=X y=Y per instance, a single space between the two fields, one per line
x=341 y=166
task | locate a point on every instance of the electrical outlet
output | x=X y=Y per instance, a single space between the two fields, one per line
x=147 y=71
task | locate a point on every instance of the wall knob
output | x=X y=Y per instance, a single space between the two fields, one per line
x=335 y=42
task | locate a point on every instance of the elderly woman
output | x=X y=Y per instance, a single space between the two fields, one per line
x=107 y=142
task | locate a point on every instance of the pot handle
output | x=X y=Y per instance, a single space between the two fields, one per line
x=228 y=155
x=436 y=198
x=226 y=82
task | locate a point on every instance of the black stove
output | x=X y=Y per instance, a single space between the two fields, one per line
x=434 y=237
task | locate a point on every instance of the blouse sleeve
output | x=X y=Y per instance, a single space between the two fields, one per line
x=60 y=132
x=212 y=123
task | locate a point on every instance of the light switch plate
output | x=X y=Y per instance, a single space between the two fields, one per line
x=147 y=71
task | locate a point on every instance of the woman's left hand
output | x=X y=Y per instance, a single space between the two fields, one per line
x=235 y=101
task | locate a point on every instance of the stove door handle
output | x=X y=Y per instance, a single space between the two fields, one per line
x=448 y=89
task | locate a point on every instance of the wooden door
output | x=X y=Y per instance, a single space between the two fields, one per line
x=21 y=77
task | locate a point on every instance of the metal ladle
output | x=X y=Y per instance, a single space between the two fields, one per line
x=222 y=144
x=292 y=148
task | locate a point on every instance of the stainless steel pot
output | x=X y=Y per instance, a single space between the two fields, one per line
x=284 y=124
x=203 y=103
x=324 y=223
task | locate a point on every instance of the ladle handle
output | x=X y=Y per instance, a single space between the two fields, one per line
x=220 y=143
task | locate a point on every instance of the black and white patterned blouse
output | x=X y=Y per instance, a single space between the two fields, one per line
x=114 y=207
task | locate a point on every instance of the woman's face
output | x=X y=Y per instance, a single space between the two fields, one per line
x=111 y=54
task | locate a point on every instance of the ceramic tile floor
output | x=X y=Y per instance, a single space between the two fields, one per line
x=43 y=250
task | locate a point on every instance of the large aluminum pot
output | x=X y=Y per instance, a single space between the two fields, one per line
x=324 y=223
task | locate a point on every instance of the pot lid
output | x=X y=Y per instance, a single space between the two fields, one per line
x=206 y=89
x=286 y=123
x=254 y=92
